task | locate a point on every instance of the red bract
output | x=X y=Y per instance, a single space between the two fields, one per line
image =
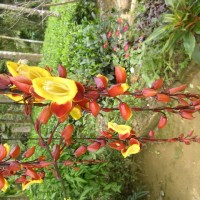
x=15 y=152
x=148 y=92
x=61 y=109
x=31 y=173
x=45 y=115
x=2 y=182
x=67 y=131
x=162 y=122
x=163 y=98
x=21 y=179
x=14 y=166
x=118 y=145
x=56 y=152
x=117 y=89
x=80 y=151
x=63 y=118
x=183 y=102
x=124 y=136
x=94 y=147
x=3 y=152
x=106 y=134
x=101 y=82
x=94 y=108
x=22 y=83
x=186 y=115
x=62 y=72
x=177 y=89
x=125 y=111
x=92 y=95
x=134 y=141
x=120 y=74
x=157 y=84
x=80 y=94
x=29 y=152
x=4 y=81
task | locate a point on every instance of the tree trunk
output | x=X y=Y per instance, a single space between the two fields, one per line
x=30 y=11
x=20 y=39
x=19 y=55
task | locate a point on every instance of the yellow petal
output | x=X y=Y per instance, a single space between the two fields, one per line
x=121 y=129
x=125 y=86
x=76 y=112
x=30 y=72
x=12 y=68
x=27 y=185
x=56 y=89
x=7 y=148
x=133 y=149
x=5 y=187
x=16 y=97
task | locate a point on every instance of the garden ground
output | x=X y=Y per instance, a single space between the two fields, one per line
x=171 y=171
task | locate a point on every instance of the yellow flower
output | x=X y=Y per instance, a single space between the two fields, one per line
x=5 y=187
x=133 y=149
x=56 y=89
x=76 y=112
x=121 y=129
x=28 y=184
x=30 y=72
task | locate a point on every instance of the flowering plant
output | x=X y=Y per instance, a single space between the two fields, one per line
x=66 y=98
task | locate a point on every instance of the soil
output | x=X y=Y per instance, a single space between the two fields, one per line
x=171 y=171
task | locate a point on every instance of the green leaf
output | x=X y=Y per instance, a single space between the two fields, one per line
x=189 y=43
x=170 y=3
x=196 y=54
x=159 y=33
x=171 y=41
x=197 y=28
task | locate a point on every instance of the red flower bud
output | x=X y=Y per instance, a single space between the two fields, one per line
x=177 y=89
x=62 y=72
x=80 y=151
x=125 y=111
x=148 y=92
x=126 y=47
x=163 y=98
x=29 y=152
x=3 y=152
x=15 y=152
x=67 y=131
x=187 y=115
x=119 y=20
x=45 y=115
x=109 y=34
x=117 y=33
x=94 y=147
x=162 y=122
x=94 y=108
x=120 y=74
x=125 y=28
x=101 y=82
x=157 y=84
x=105 y=45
